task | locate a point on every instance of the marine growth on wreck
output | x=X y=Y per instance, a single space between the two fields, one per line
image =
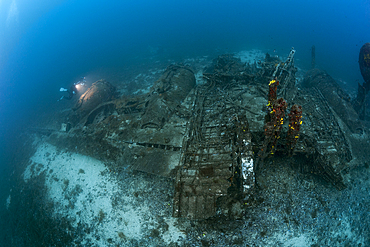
x=212 y=139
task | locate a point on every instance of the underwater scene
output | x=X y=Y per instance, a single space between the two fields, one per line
x=184 y=123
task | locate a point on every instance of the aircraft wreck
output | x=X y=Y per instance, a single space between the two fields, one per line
x=213 y=138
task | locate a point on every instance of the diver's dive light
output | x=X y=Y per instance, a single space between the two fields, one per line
x=79 y=85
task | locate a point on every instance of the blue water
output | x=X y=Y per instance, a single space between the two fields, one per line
x=45 y=45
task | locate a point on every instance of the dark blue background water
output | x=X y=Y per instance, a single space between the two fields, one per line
x=45 y=46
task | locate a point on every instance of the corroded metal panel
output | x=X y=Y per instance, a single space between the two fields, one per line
x=214 y=155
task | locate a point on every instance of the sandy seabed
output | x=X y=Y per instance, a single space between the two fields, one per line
x=83 y=190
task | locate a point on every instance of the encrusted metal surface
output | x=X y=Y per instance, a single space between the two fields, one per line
x=216 y=145
x=322 y=139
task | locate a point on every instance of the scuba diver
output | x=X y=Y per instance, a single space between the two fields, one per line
x=73 y=89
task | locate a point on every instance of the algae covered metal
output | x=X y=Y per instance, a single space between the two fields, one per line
x=213 y=138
